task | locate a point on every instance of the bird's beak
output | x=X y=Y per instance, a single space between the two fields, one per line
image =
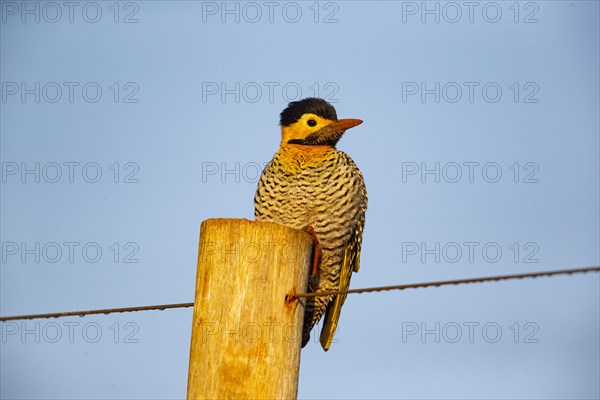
x=329 y=134
x=343 y=124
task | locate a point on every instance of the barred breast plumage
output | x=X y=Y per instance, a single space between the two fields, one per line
x=318 y=186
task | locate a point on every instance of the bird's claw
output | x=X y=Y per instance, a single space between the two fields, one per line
x=316 y=249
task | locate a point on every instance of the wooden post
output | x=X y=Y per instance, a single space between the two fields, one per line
x=245 y=335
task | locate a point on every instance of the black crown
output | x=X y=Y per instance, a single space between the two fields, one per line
x=311 y=105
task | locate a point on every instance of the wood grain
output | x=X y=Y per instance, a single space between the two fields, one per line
x=245 y=336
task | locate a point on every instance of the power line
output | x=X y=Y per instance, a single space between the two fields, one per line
x=317 y=294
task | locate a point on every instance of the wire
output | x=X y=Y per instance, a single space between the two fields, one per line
x=454 y=282
x=106 y=311
x=317 y=294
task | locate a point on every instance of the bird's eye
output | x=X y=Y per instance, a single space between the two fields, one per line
x=311 y=122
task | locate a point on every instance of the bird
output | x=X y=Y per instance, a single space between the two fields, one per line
x=310 y=184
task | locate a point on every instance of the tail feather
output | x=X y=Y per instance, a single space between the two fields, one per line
x=334 y=308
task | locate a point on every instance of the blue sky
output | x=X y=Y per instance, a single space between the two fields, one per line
x=123 y=127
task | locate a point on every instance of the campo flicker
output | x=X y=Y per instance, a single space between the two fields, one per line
x=311 y=185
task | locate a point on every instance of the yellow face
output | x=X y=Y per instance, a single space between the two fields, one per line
x=306 y=125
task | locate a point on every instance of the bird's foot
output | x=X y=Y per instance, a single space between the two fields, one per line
x=316 y=249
